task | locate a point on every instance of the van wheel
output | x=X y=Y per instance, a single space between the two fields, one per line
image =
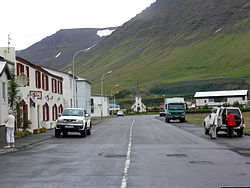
x=240 y=133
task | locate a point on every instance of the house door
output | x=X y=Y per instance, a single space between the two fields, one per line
x=38 y=116
x=22 y=115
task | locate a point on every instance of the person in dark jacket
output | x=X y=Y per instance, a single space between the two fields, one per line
x=230 y=124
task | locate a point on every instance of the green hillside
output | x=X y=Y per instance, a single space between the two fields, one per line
x=174 y=41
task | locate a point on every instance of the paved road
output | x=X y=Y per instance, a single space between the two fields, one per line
x=133 y=151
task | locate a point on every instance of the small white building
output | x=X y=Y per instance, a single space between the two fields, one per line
x=5 y=76
x=138 y=106
x=218 y=98
x=83 y=94
x=41 y=96
x=99 y=105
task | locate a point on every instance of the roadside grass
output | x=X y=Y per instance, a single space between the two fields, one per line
x=199 y=118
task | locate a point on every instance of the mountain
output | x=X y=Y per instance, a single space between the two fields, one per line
x=174 y=47
x=58 y=49
x=173 y=41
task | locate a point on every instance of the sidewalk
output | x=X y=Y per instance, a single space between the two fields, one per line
x=28 y=141
x=22 y=143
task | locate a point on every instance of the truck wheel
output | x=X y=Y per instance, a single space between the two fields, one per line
x=57 y=133
x=65 y=133
x=89 y=131
x=182 y=120
x=240 y=133
x=84 y=132
x=206 y=131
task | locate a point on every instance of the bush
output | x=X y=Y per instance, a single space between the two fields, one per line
x=20 y=134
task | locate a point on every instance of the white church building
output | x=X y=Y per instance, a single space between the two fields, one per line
x=138 y=106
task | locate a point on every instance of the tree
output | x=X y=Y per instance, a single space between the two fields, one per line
x=13 y=92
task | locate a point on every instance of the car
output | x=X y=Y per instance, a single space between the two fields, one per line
x=73 y=120
x=220 y=120
x=162 y=112
x=120 y=113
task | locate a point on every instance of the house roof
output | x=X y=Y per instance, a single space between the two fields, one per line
x=221 y=93
x=5 y=68
x=37 y=68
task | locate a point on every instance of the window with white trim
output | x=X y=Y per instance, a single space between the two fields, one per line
x=60 y=91
x=46 y=112
x=45 y=82
x=54 y=111
x=54 y=85
x=4 y=98
x=38 y=79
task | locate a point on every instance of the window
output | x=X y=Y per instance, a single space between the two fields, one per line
x=45 y=112
x=19 y=68
x=4 y=91
x=45 y=82
x=60 y=91
x=60 y=109
x=54 y=111
x=220 y=99
x=54 y=85
x=211 y=99
x=28 y=74
x=38 y=79
x=92 y=102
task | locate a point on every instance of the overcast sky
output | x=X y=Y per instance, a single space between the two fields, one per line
x=29 y=21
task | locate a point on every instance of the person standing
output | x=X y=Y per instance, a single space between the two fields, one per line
x=10 y=128
x=230 y=124
x=213 y=127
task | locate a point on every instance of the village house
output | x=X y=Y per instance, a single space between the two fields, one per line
x=5 y=76
x=83 y=90
x=41 y=96
x=99 y=105
x=218 y=98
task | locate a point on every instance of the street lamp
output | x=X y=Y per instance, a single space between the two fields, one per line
x=114 y=96
x=111 y=97
x=73 y=73
x=102 y=79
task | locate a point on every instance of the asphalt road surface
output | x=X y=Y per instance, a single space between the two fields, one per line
x=132 y=151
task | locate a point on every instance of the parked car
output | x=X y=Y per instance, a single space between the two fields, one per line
x=162 y=112
x=73 y=120
x=220 y=120
x=120 y=113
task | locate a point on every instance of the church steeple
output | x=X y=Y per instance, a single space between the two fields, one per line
x=138 y=106
x=138 y=93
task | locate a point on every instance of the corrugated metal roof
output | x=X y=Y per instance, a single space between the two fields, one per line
x=221 y=93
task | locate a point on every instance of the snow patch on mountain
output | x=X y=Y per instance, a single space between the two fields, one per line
x=105 y=32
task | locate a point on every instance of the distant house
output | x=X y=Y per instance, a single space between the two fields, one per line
x=83 y=95
x=5 y=75
x=99 y=105
x=138 y=106
x=218 y=98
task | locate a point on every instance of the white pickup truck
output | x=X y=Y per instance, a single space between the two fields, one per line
x=73 y=120
x=220 y=120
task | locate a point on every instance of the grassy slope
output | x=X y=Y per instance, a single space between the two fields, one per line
x=225 y=55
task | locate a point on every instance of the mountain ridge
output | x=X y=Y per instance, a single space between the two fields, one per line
x=170 y=42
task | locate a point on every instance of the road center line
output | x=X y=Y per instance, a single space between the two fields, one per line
x=127 y=164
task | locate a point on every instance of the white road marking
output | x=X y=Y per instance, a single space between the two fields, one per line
x=127 y=164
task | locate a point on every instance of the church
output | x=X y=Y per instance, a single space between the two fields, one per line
x=138 y=106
